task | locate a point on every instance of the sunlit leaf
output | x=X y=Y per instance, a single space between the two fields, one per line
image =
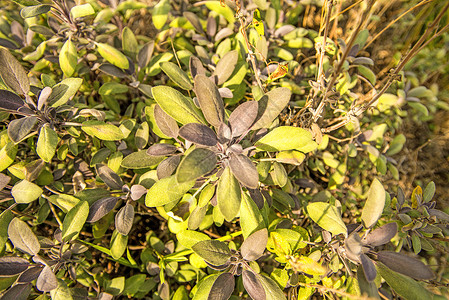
x=327 y=216
x=228 y=195
x=196 y=164
x=374 y=204
x=213 y=251
x=22 y=237
x=74 y=221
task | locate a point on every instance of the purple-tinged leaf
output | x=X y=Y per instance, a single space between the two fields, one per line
x=124 y=219
x=368 y=268
x=211 y=26
x=283 y=30
x=222 y=288
x=161 y=150
x=254 y=245
x=12 y=265
x=109 y=177
x=30 y=275
x=381 y=235
x=196 y=66
x=442 y=216
x=406 y=265
x=366 y=287
x=253 y=286
x=223 y=33
x=166 y=124
x=213 y=251
x=225 y=92
x=8 y=44
x=224 y=133
x=196 y=164
x=209 y=99
x=244 y=170
x=22 y=237
x=17 y=292
x=194 y=20
x=12 y=73
x=10 y=100
x=137 y=191
x=168 y=166
x=243 y=117
x=198 y=134
x=257 y=197
x=145 y=54
x=101 y=208
x=47 y=280
x=18 y=129
x=112 y=70
x=225 y=67
x=4 y=180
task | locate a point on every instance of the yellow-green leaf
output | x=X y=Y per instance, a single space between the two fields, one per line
x=112 y=55
x=68 y=58
x=47 y=142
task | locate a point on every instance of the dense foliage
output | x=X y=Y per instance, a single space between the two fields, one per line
x=218 y=149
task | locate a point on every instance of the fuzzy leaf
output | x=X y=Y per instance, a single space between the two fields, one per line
x=198 y=134
x=101 y=208
x=129 y=43
x=374 y=205
x=287 y=138
x=196 y=66
x=63 y=91
x=140 y=160
x=22 y=237
x=32 y=11
x=167 y=190
x=12 y=265
x=223 y=287
x=381 y=235
x=7 y=155
x=166 y=124
x=244 y=170
x=225 y=67
x=18 y=129
x=47 y=280
x=271 y=105
x=124 y=219
x=196 y=164
x=161 y=149
x=10 y=100
x=243 y=117
x=253 y=286
x=13 y=74
x=212 y=251
x=188 y=238
x=327 y=216
x=210 y=100
x=68 y=58
x=113 y=55
x=254 y=245
x=102 y=130
x=177 y=75
x=109 y=177
x=47 y=143
x=406 y=265
x=228 y=195
x=74 y=221
x=25 y=192
x=251 y=219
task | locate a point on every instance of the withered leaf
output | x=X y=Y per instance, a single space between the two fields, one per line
x=210 y=100
x=161 y=150
x=225 y=67
x=197 y=163
x=10 y=100
x=243 y=117
x=124 y=219
x=109 y=177
x=12 y=265
x=254 y=245
x=223 y=287
x=196 y=66
x=253 y=286
x=101 y=208
x=368 y=268
x=381 y=235
x=47 y=280
x=168 y=166
x=166 y=124
x=198 y=134
x=244 y=170
x=406 y=265
x=18 y=129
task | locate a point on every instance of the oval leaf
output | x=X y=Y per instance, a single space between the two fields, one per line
x=167 y=190
x=254 y=245
x=243 y=117
x=381 y=235
x=18 y=129
x=253 y=286
x=25 y=191
x=177 y=75
x=74 y=221
x=47 y=143
x=198 y=134
x=10 y=100
x=210 y=100
x=47 y=280
x=124 y=219
x=109 y=177
x=271 y=105
x=374 y=205
x=223 y=287
x=11 y=265
x=287 y=138
x=166 y=124
x=13 y=74
x=161 y=149
x=225 y=67
x=213 y=251
x=63 y=91
x=112 y=55
x=195 y=164
x=102 y=131
x=101 y=208
x=68 y=58
x=140 y=160
x=406 y=265
x=327 y=216
x=22 y=237
x=228 y=195
x=244 y=170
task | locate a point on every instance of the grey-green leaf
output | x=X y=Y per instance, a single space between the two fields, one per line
x=101 y=208
x=47 y=280
x=140 y=160
x=177 y=105
x=244 y=170
x=327 y=216
x=381 y=235
x=22 y=237
x=74 y=221
x=196 y=164
x=109 y=177
x=209 y=99
x=406 y=265
x=13 y=74
x=102 y=130
x=198 y=134
x=25 y=192
x=223 y=287
x=32 y=11
x=124 y=219
x=271 y=105
x=177 y=75
x=18 y=129
x=47 y=143
x=63 y=91
x=228 y=195
x=254 y=245
x=213 y=251
x=374 y=205
x=225 y=67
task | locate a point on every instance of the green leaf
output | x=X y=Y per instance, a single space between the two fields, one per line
x=32 y=11
x=112 y=55
x=129 y=43
x=64 y=202
x=22 y=237
x=102 y=131
x=13 y=74
x=271 y=105
x=112 y=88
x=47 y=143
x=7 y=155
x=195 y=164
x=25 y=192
x=228 y=195
x=140 y=160
x=177 y=75
x=221 y=10
x=367 y=73
x=287 y=138
x=5 y=218
x=251 y=219
x=118 y=244
x=396 y=144
x=63 y=91
x=68 y=58
x=74 y=221
x=82 y=10
x=177 y=105
x=160 y=13
x=213 y=251
x=167 y=190
x=27 y=2
x=406 y=287
x=188 y=238
x=429 y=192
x=327 y=217
x=204 y=287
x=62 y=292
x=272 y=290
x=374 y=205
